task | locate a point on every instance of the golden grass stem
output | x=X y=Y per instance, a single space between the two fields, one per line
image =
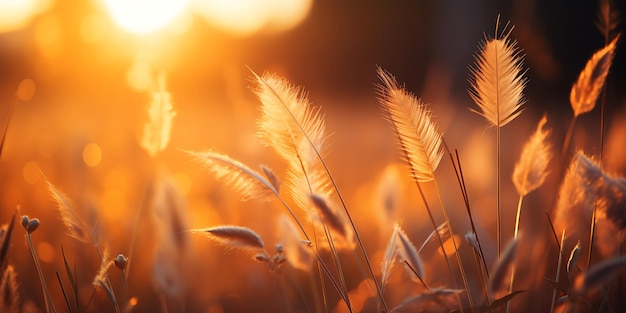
x=46 y=294
x=515 y=233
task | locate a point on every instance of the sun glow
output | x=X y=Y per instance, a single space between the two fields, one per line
x=145 y=16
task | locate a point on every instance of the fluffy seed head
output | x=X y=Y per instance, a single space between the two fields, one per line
x=531 y=169
x=586 y=90
x=497 y=81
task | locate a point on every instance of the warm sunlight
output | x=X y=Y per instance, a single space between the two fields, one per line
x=144 y=16
x=246 y=17
x=14 y=14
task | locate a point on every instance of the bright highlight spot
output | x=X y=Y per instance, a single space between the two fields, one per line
x=145 y=16
x=15 y=14
x=92 y=154
x=25 y=90
x=31 y=172
x=246 y=17
x=45 y=251
x=449 y=245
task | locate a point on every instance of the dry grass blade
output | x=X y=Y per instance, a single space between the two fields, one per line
x=249 y=183
x=497 y=80
x=573 y=257
x=497 y=281
x=587 y=89
x=412 y=122
x=156 y=132
x=407 y=251
x=9 y=295
x=531 y=169
x=233 y=236
x=296 y=132
x=75 y=227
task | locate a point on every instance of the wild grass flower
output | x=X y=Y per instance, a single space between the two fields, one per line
x=497 y=85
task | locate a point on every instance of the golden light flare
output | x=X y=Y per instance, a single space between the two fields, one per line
x=31 y=172
x=92 y=154
x=246 y=17
x=15 y=14
x=145 y=16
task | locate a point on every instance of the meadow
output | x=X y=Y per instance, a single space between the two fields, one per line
x=278 y=200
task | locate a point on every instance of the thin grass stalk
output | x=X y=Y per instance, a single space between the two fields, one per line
x=336 y=189
x=558 y=272
x=67 y=301
x=515 y=233
x=458 y=171
x=46 y=294
x=568 y=138
x=335 y=255
x=456 y=247
x=434 y=224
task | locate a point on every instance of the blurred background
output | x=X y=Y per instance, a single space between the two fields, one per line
x=87 y=73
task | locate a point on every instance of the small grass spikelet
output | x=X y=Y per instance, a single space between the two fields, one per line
x=497 y=80
x=75 y=226
x=498 y=278
x=412 y=122
x=586 y=90
x=531 y=170
x=408 y=253
x=328 y=216
x=233 y=237
x=244 y=180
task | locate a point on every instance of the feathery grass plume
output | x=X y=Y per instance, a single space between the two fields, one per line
x=9 y=296
x=406 y=251
x=156 y=132
x=599 y=274
x=411 y=120
x=232 y=237
x=328 y=215
x=389 y=258
x=246 y=181
x=608 y=19
x=573 y=193
x=105 y=264
x=295 y=130
x=531 y=170
x=611 y=196
x=497 y=281
x=299 y=253
x=75 y=226
x=497 y=80
x=573 y=257
x=497 y=85
x=586 y=90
